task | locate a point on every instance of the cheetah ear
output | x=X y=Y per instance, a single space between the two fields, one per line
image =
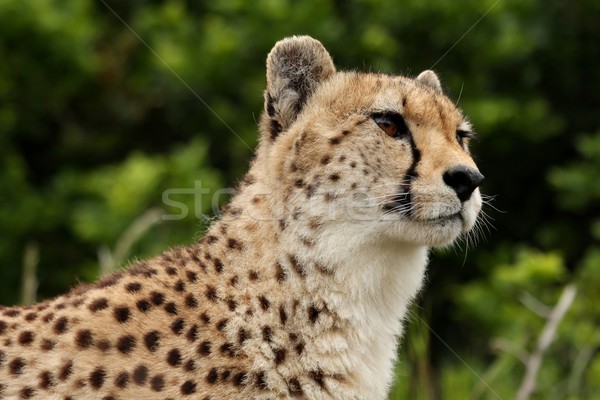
x=430 y=79
x=295 y=68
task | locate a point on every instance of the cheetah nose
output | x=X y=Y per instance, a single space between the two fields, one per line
x=463 y=180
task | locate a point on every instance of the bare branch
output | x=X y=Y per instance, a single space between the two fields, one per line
x=535 y=305
x=534 y=361
x=29 y=283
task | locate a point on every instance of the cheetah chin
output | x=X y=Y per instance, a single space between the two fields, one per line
x=300 y=289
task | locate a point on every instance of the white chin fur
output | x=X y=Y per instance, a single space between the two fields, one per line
x=439 y=233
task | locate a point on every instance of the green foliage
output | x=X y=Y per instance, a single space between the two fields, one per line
x=100 y=121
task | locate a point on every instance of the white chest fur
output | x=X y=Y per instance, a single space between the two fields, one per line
x=373 y=285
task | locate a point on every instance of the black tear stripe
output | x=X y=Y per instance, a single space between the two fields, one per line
x=404 y=199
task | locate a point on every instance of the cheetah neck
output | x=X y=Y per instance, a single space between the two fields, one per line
x=362 y=283
x=370 y=290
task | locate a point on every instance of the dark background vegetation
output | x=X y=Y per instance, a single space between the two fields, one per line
x=97 y=120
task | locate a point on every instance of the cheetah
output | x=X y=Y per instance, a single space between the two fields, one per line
x=300 y=289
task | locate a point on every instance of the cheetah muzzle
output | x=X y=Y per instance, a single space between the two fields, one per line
x=300 y=289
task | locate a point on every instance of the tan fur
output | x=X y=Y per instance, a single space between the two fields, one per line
x=300 y=289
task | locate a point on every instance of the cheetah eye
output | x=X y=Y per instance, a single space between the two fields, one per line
x=463 y=136
x=392 y=124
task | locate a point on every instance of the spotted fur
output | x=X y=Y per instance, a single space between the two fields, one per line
x=300 y=289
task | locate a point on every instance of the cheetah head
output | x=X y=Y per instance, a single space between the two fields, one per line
x=373 y=155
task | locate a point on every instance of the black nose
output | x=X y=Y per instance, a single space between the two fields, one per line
x=463 y=180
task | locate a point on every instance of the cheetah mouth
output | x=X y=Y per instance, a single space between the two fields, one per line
x=442 y=219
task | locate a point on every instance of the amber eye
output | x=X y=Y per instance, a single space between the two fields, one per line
x=463 y=136
x=392 y=124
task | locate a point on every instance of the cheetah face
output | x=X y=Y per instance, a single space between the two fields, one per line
x=383 y=156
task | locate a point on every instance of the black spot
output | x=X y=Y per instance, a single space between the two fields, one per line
x=222 y=324
x=334 y=177
x=313 y=314
x=133 y=287
x=27 y=393
x=46 y=380
x=275 y=129
x=177 y=326
x=242 y=336
x=188 y=387
x=15 y=367
x=191 y=276
x=210 y=239
x=294 y=387
x=231 y=304
x=140 y=374
x=61 y=325
x=26 y=338
x=48 y=317
x=269 y=106
x=225 y=375
x=227 y=349
x=143 y=305
x=152 y=340
x=30 y=317
x=282 y=315
x=261 y=380
x=205 y=318
x=189 y=366
x=97 y=378
x=267 y=334
x=239 y=378
x=218 y=265
x=3 y=326
x=98 y=304
x=335 y=140
x=121 y=314
x=174 y=357
x=126 y=344
x=234 y=244
x=204 y=348
x=157 y=298
x=84 y=339
x=192 y=333
x=264 y=303
x=296 y=265
x=65 y=371
x=171 y=308
x=211 y=293
x=318 y=377
x=179 y=286
x=122 y=380
x=212 y=376
x=280 y=273
x=171 y=271
x=252 y=275
x=279 y=355
x=11 y=313
x=48 y=344
x=190 y=301
x=299 y=348
x=157 y=383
